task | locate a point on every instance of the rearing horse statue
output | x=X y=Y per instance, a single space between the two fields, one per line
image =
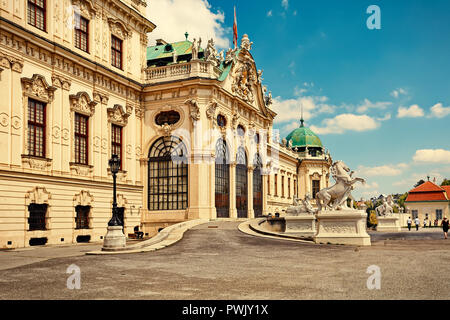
x=335 y=197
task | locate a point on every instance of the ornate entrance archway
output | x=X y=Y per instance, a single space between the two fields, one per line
x=222 y=183
x=241 y=184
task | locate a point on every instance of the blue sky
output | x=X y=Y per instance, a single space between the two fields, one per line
x=378 y=99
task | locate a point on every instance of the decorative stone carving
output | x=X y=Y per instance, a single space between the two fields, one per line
x=82 y=103
x=245 y=43
x=9 y=62
x=117 y=115
x=268 y=99
x=38 y=195
x=235 y=119
x=119 y=29
x=244 y=78
x=194 y=110
x=35 y=163
x=56 y=132
x=84 y=198
x=37 y=87
x=81 y=170
x=100 y=97
x=59 y=81
x=16 y=122
x=301 y=207
x=84 y=8
x=4 y=119
x=211 y=110
x=166 y=130
x=211 y=53
x=122 y=202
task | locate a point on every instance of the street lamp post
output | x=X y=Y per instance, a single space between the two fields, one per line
x=114 y=239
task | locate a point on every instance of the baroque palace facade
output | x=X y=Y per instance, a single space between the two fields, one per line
x=193 y=127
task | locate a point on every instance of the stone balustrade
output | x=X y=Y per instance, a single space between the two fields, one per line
x=179 y=71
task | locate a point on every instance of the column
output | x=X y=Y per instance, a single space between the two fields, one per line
x=250 y=211
x=233 y=210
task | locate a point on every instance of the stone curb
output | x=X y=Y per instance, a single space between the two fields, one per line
x=164 y=238
x=248 y=227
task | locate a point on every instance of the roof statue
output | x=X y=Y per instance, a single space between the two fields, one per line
x=335 y=197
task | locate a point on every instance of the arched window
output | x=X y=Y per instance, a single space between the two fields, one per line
x=222 y=183
x=167 y=175
x=241 y=183
x=257 y=186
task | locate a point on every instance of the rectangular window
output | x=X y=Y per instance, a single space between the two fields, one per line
x=36 y=13
x=315 y=188
x=116 y=142
x=289 y=188
x=81 y=33
x=82 y=218
x=439 y=214
x=415 y=214
x=282 y=187
x=295 y=189
x=81 y=139
x=276 y=186
x=116 y=52
x=36 y=221
x=268 y=184
x=36 y=128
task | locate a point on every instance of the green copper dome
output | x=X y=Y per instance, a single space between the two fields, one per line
x=302 y=137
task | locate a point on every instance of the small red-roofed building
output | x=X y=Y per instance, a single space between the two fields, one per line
x=428 y=200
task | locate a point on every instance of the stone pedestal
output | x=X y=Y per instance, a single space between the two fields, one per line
x=389 y=223
x=342 y=227
x=304 y=225
x=114 y=239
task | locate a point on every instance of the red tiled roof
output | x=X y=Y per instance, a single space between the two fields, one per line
x=426 y=187
x=447 y=190
x=428 y=191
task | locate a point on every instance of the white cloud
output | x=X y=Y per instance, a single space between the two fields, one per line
x=175 y=17
x=288 y=109
x=381 y=171
x=396 y=93
x=291 y=126
x=439 y=111
x=269 y=13
x=346 y=122
x=432 y=155
x=367 y=104
x=285 y=4
x=385 y=118
x=413 y=111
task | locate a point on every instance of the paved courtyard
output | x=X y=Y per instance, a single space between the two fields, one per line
x=217 y=261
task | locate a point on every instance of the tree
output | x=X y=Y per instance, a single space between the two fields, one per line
x=446 y=182
x=401 y=200
x=421 y=181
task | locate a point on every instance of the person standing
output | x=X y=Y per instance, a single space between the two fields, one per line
x=409 y=221
x=444 y=225
x=417 y=222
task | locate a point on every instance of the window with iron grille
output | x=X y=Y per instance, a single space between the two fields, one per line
x=116 y=52
x=36 y=128
x=81 y=139
x=415 y=214
x=81 y=33
x=282 y=186
x=36 y=221
x=167 y=175
x=222 y=180
x=315 y=188
x=289 y=187
x=439 y=214
x=116 y=142
x=36 y=14
x=295 y=189
x=82 y=218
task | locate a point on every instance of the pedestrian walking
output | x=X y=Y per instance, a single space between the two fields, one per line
x=425 y=222
x=417 y=222
x=444 y=225
x=409 y=221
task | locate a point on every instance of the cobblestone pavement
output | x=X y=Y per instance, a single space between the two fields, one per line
x=216 y=261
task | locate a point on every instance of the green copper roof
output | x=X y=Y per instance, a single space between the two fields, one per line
x=302 y=137
x=160 y=52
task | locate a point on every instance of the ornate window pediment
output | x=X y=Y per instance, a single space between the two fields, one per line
x=39 y=195
x=82 y=103
x=38 y=88
x=84 y=198
x=84 y=8
x=119 y=29
x=118 y=116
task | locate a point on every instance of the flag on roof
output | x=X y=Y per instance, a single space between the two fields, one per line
x=235 y=34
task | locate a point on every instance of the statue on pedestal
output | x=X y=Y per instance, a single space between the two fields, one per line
x=386 y=208
x=301 y=207
x=335 y=197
